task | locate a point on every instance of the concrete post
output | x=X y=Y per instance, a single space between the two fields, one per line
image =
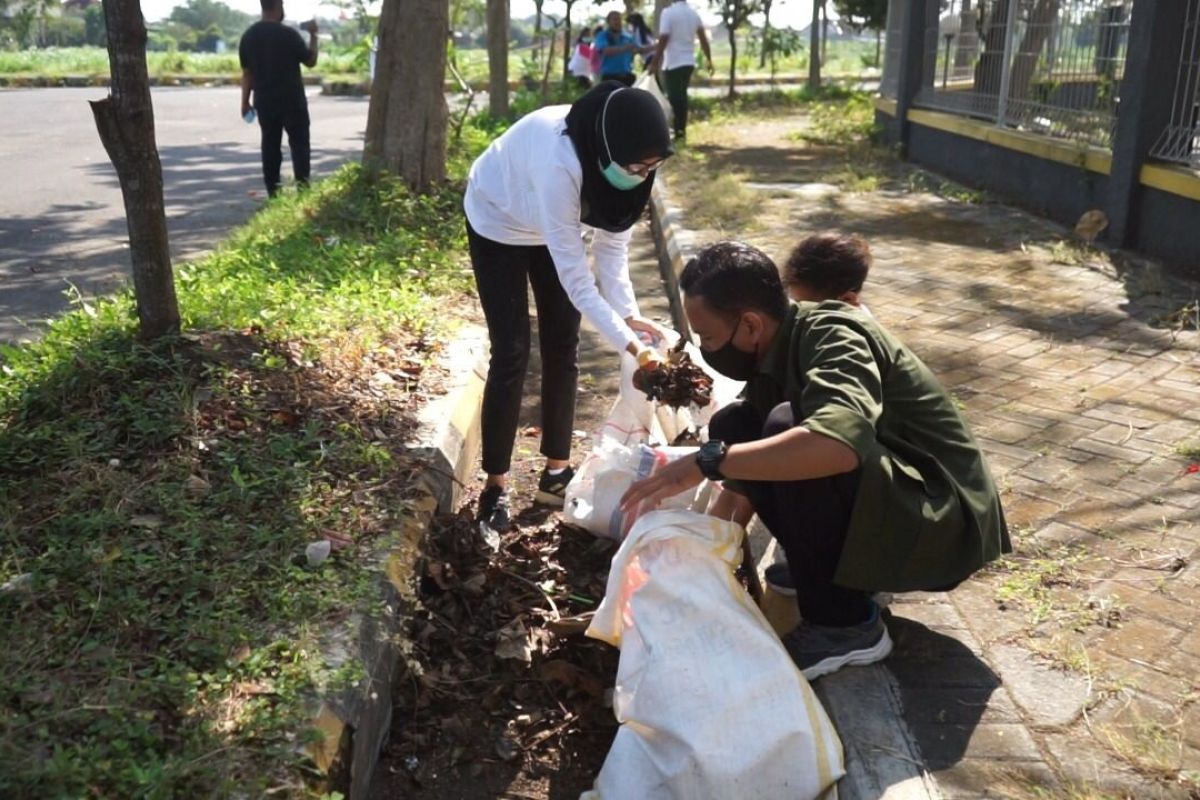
x=1146 y=97
x=911 y=70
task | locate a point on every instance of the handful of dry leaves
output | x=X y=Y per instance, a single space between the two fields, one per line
x=677 y=383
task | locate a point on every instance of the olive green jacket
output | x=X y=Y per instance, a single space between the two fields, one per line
x=927 y=513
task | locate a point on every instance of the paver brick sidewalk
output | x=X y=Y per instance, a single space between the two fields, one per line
x=1070 y=669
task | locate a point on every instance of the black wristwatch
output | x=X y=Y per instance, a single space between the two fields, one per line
x=709 y=459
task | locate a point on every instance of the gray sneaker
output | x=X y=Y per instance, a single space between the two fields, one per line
x=819 y=649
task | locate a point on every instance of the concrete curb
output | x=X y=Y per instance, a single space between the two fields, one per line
x=675 y=245
x=356 y=722
x=883 y=760
x=101 y=80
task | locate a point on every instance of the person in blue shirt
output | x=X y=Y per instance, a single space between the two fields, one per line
x=618 y=49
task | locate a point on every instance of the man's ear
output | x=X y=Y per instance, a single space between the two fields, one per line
x=850 y=297
x=754 y=324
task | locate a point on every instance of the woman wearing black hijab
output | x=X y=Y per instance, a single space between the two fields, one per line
x=557 y=174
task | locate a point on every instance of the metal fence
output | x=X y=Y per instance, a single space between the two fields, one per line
x=889 y=80
x=1180 y=142
x=1047 y=66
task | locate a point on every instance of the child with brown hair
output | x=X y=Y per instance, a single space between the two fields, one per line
x=827 y=266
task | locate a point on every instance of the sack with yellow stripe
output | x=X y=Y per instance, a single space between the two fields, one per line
x=710 y=704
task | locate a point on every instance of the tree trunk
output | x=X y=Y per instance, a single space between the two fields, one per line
x=497 y=39
x=968 y=36
x=569 y=49
x=125 y=122
x=537 y=30
x=991 y=61
x=878 y=47
x=1025 y=60
x=766 y=33
x=548 y=62
x=732 y=60
x=407 y=118
x=824 y=32
x=814 y=48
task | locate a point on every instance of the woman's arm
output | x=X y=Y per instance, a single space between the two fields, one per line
x=558 y=207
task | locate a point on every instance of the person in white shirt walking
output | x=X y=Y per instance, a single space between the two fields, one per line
x=557 y=174
x=678 y=29
x=580 y=65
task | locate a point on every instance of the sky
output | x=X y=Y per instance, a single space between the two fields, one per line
x=786 y=13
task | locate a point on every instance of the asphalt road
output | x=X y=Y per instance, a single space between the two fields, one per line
x=62 y=220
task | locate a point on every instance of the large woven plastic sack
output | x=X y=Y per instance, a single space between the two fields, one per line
x=709 y=702
x=593 y=498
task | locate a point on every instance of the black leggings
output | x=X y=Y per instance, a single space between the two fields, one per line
x=503 y=275
x=295 y=122
x=809 y=518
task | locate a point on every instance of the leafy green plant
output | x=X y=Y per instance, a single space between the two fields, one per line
x=841 y=121
x=778 y=44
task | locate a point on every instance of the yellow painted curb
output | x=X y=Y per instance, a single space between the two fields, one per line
x=1093 y=159
x=353 y=722
x=1174 y=179
x=326 y=750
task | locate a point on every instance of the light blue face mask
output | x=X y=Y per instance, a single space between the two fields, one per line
x=622 y=178
x=614 y=173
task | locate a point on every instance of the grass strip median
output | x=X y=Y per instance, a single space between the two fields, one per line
x=180 y=521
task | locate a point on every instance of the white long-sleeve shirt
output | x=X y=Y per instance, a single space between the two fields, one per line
x=525 y=190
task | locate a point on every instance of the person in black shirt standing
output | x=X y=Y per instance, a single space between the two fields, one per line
x=271 y=55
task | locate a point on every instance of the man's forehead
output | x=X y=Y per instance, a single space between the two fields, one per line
x=699 y=312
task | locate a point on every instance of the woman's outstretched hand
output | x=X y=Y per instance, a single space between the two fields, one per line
x=639 y=326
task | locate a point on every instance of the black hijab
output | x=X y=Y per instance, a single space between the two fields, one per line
x=636 y=129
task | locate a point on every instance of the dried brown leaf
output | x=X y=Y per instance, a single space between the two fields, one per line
x=572 y=676
x=513 y=642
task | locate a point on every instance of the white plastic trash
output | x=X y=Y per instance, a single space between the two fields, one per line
x=593 y=498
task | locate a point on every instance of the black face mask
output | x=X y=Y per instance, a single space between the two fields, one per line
x=730 y=361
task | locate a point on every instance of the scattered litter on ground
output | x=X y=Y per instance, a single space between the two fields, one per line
x=504 y=696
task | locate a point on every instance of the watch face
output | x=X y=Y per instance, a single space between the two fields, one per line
x=710 y=457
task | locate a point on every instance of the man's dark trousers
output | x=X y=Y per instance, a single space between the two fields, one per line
x=808 y=518
x=677 y=81
x=273 y=124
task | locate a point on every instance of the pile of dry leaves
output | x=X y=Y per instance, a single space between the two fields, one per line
x=678 y=383
x=504 y=695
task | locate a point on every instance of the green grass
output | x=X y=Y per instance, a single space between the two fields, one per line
x=724 y=204
x=161 y=623
x=845 y=60
x=842 y=59
x=842 y=120
x=61 y=61
x=748 y=104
